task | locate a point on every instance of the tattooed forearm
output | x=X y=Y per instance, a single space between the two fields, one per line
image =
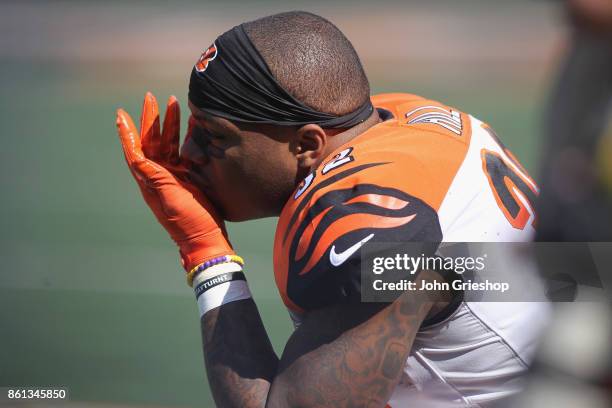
x=394 y=360
x=360 y=367
x=240 y=361
x=343 y=356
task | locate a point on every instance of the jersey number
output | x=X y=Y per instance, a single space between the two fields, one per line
x=340 y=159
x=514 y=192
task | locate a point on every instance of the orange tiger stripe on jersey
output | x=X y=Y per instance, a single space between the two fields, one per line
x=381 y=201
x=393 y=203
x=350 y=223
x=420 y=159
x=305 y=238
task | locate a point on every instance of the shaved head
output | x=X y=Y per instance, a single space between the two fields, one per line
x=246 y=161
x=312 y=60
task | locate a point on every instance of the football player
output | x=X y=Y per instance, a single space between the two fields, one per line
x=283 y=124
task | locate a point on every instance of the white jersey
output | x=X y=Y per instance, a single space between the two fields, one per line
x=450 y=170
x=480 y=353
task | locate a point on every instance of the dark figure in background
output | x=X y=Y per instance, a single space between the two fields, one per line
x=574 y=367
x=576 y=204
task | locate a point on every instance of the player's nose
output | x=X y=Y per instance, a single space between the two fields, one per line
x=193 y=154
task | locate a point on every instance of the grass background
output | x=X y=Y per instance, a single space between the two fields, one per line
x=92 y=296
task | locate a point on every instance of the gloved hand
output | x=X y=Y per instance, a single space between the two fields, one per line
x=154 y=161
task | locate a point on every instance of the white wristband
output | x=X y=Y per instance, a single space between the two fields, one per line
x=218 y=285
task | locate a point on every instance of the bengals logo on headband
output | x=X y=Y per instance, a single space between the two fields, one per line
x=207 y=56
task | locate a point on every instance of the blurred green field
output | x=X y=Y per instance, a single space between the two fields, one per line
x=92 y=296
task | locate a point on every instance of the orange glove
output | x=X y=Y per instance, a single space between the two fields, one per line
x=184 y=212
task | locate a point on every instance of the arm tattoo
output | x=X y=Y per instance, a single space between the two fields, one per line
x=343 y=356
x=393 y=363
x=358 y=368
x=240 y=361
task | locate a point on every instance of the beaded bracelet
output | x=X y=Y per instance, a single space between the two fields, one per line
x=215 y=261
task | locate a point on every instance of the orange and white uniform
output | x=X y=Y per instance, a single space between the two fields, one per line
x=426 y=173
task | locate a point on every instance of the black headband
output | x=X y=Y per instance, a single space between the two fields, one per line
x=231 y=80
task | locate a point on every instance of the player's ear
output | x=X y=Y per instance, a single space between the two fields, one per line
x=311 y=141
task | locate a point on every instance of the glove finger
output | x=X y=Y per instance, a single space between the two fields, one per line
x=149 y=127
x=191 y=123
x=142 y=169
x=130 y=140
x=170 y=137
x=149 y=173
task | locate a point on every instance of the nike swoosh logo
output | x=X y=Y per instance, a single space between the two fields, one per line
x=338 y=259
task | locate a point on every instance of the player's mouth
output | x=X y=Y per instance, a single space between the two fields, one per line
x=202 y=183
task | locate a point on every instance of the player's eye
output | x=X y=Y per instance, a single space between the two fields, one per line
x=210 y=143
